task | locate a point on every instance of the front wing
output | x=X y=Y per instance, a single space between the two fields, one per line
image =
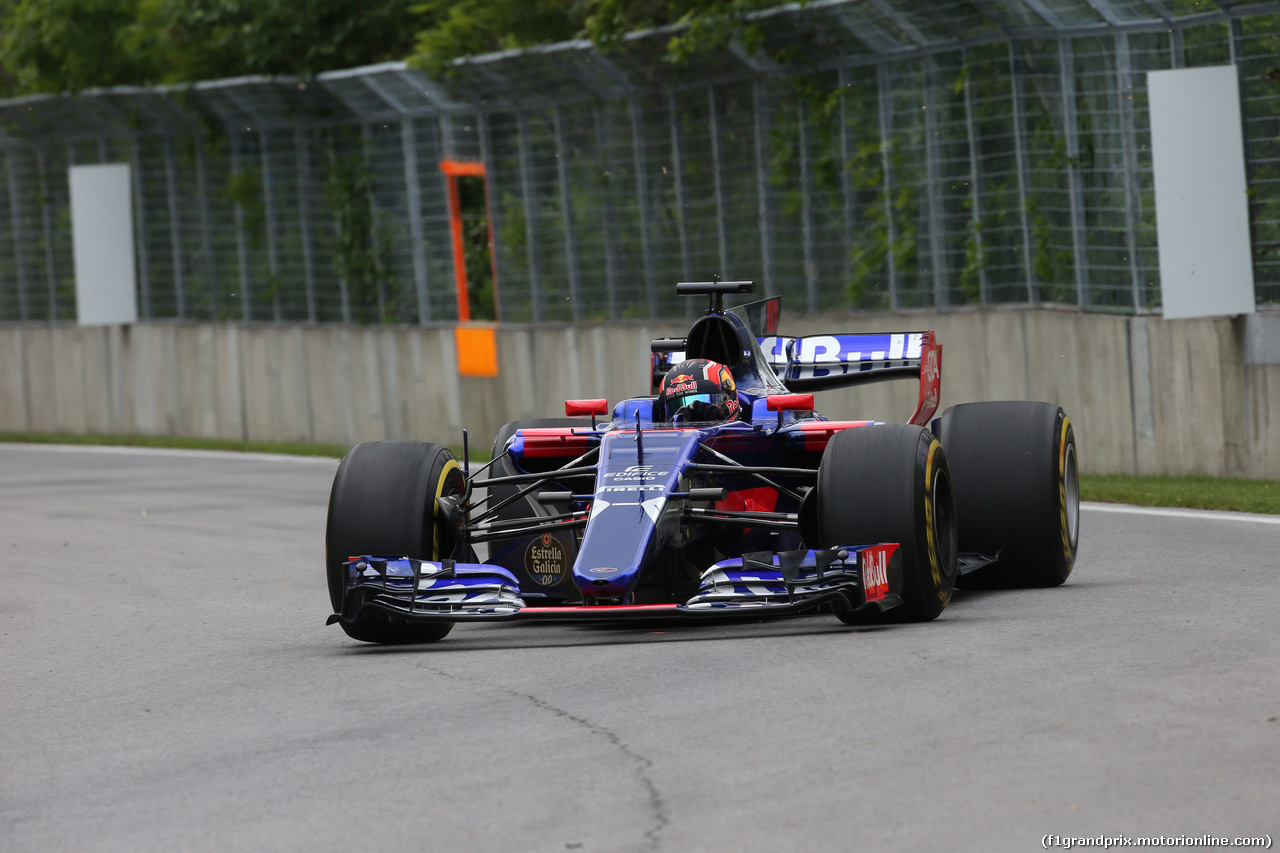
x=847 y=578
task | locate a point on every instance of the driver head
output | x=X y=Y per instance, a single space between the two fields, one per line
x=699 y=390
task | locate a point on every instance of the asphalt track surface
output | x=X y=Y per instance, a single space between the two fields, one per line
x=167 y=683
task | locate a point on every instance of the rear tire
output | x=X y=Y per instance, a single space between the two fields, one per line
x=891 y=483
x=525 y=507
x=1017 y=490
x=528 y=507
x=384 y=503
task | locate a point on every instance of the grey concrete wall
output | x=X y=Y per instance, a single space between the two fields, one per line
x=1146 y=395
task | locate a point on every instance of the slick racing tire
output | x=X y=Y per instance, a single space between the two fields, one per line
x=384 y=503
x=1013 y=465
x=891 y=483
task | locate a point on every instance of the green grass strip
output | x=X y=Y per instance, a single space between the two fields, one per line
x=181 y=443
x=1191 y=492
x=289 y=448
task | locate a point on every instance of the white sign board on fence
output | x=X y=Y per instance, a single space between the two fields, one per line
x=102 y=235
x=1202 y=210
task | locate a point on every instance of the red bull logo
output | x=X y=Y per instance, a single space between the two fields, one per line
x=875 y=571
x=929 y=370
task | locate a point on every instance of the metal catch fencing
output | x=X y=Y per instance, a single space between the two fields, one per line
x=910 y=154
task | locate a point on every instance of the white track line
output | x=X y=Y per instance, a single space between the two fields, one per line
x=224 y=455
x=1211 y=515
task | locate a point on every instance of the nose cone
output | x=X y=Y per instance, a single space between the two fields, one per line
x=632 y=484
x=620 y=537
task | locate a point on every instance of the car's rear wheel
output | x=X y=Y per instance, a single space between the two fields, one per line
x=525 y=507
x=384 y=503
x=891 y=483
x=1017 y=487
x=556 y=584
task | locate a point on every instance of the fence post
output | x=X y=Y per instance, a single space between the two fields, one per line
x=607 y=224
x=933 y=180
x=175 y=232
x=206 y=230
x=642 y=202
x=846 y=185
x=242 y=250
x=269 y=205
x=806 y=210
x=1236 y=29
x=886 y=165
x=717 y=182
x=1020 y=152
x=566 y=210
x=46 y=222
x=417 y=237
x=1075 y=184
x=19 y=239
x=491 y=169
x=140 y=226
x=530 y=213
x=677 y=164
x=302 y=151
x=975 y=194
x=760 y=104
x=1132 y=202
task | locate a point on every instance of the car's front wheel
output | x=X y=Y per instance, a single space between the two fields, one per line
x=383 y=503
x=891 y=483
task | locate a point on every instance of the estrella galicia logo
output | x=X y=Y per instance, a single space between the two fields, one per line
x=634 y=473
x=546 y=560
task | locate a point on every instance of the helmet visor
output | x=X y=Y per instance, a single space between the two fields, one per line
x=675 y=404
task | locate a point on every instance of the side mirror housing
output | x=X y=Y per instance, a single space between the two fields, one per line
x=586 y=407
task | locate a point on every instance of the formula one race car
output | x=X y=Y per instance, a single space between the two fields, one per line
x=758 y=506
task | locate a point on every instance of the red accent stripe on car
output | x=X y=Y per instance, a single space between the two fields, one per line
x=818 y=433
x=593 y=608
x=545 y=442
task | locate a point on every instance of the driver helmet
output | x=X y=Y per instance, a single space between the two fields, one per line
x=699 y=390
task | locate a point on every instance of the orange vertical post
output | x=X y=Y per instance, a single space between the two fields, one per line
x=459 y=256
x=453 y=170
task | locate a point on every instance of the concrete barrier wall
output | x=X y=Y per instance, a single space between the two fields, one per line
x=1146 y=395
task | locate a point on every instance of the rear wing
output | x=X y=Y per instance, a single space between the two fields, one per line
x=821 y=362
x=815 y=362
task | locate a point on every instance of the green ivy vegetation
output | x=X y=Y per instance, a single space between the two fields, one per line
x=68 y=45
x=362 y=237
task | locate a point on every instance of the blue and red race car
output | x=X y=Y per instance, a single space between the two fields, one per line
x=776 y=512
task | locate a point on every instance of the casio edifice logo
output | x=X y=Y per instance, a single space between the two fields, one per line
x=634 y=473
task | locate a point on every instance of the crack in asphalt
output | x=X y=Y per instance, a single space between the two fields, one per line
x=640 y=765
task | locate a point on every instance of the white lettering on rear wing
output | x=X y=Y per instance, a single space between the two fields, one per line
x=819 y=356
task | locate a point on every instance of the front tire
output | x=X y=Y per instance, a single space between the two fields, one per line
x=891 y=483
x=1017 y=490
x=384 y=503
